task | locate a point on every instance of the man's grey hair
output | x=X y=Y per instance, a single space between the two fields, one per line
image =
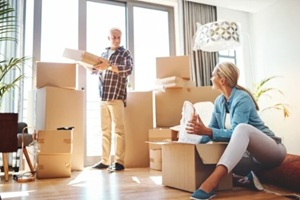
x=115 y=29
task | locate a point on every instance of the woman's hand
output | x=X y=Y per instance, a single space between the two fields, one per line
x=196 y=126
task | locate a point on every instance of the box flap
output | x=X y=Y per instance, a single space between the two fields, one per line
x=159 y=142
x=210 y=153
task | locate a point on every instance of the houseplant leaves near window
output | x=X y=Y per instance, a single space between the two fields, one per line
x=260 y=89
x=10 y=76
x=10 y=68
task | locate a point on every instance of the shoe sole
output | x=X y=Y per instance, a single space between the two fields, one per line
x=95 y=167
x=256 y=182
x=202 y=199
x=111 y=169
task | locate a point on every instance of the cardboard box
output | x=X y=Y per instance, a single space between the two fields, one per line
x=174 y=82
x=155 y=159
x=158 y=136
x=53 y=165
x=82 y=57
x=60 y=107
x=138 y=120
x=55 y=141
x=186 y=166
x=168 y=104
x=62 y=75
x=173 y=66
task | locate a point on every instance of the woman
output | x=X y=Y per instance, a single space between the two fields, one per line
x=235 y=120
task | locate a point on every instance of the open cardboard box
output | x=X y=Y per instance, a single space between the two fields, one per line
x=186 y=166
x=84 y=58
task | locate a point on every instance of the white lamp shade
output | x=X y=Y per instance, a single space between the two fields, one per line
x=217 y=36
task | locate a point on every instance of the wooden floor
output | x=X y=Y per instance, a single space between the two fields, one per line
x=92 y=184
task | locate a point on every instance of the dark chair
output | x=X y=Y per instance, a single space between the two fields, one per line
x=8 y=142
x=14 y=147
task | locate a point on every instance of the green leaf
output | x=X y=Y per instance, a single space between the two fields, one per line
x=260 y=89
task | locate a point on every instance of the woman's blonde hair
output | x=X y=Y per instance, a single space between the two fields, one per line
x=231 y=73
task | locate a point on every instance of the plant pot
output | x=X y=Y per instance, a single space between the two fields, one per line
x=8 y=132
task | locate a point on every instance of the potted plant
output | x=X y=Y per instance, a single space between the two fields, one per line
x=10 y=75
x=260 y=89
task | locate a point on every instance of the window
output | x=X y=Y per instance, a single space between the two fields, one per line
x=97 y=41
x=151 y=40
x=59 y=28
x=227 y=55
x=84 y=25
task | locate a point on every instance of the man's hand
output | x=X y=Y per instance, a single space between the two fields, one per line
x=101 y=65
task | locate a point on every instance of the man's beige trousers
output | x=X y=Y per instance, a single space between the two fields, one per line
x=112 y=126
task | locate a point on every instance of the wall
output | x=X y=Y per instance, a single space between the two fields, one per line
x=276 y=52
x=272 y=49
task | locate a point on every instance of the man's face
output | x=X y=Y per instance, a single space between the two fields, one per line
x=115 y=39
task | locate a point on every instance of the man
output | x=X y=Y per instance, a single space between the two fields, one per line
x=112 y=87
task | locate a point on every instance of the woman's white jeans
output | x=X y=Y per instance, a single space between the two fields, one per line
x=263 y=148
x=112 y=120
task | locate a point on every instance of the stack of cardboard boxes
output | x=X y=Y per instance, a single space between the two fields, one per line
x=184 y=166
x=157 y=137
x=172 y=74
x=54 y=153
x=59 y=103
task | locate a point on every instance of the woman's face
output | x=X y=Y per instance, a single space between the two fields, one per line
x=216 y=80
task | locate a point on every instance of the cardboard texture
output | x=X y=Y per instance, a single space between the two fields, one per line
x=159 y=135
x=83 y=57
x=168 y=104
x=62 y=75
x=138 y=120
x=60 y=107
x=155 y=159
x=53 y=165
x=55 y=141
x=186 y=166
x=173 y=66
x=173 y=82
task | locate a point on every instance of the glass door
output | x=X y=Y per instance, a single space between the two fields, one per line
x=151 y=40
x=100 y=17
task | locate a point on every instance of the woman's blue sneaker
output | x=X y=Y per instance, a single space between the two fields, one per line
x=201 y=195
x=254 y=181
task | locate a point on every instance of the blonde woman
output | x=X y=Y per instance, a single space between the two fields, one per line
x=235 y=120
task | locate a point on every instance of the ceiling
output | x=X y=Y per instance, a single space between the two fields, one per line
x=241 y=5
